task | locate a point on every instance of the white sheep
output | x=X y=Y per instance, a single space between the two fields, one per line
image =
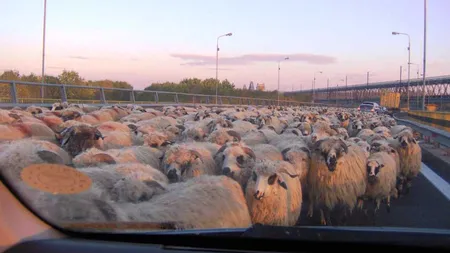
x=382 y=178
x=273 y=194
x=199 y=203
x=187 y=160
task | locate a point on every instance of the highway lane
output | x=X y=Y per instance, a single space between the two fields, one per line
x=424 y=207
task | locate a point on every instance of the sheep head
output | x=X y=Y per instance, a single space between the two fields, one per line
x=268 y=175
x=358 y=125
x=342 y=116
x=305 y=128
x=70 y=115
x=156 y=140
x=405 y=138
x=331 y=149
x=178 y=160
x=233 y=157
x=373 y=168
x=296 y=155
x=223 y=136
x=77 y=139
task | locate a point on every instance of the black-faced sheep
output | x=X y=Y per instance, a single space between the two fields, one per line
x=337 y=176
x=274 y=194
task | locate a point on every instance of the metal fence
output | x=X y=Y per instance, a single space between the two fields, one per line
x=18 y=93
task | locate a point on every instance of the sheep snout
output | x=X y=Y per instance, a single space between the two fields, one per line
x=331 y=162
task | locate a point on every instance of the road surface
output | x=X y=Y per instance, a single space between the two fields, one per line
x=426 y=206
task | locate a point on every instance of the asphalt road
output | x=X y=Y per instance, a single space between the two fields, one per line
x=424 y=207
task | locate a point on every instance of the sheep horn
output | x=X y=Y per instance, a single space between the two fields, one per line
x=343 y=145
x=50 y=157
x=249 y=152
x=196 y=154
x=234 y=134
x=221 y=149
x=283 y=153
x=283 y=168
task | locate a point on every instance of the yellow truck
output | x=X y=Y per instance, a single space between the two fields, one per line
x=390 y=100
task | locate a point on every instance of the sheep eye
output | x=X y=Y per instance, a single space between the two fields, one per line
x=254 y=176
x=240 y=159
x=271 y=179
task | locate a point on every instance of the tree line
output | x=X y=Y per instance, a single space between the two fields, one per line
x=187 y=85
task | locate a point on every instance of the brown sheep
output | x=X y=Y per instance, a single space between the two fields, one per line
x=337 y=176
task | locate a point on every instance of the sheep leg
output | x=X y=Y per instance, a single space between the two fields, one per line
x=388 y=204
x=322 y=218
x=310 y=210
x=360 y=203
x=378 y=202
x=328 y=217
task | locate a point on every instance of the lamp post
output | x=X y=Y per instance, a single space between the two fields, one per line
x=217 y=61
x=43 y=50
x=278 y=97
x=424 y=50
x=409 y=62
x=314 y=85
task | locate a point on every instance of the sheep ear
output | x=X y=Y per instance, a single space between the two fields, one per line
x=249 y=152
x=281 y=182
x=381 y=165
x=98 y=135
x=307 y=151
x=234 y=134
x=132 y=127
x=344 y=146
x=286 y=169
x=154 y=184
x=165 y=143
x=295 y=132
x=50 y=157
x=283 y=153
x=103 y=158
x=271 y=127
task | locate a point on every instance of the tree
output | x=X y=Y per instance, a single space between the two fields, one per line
x=72 y=77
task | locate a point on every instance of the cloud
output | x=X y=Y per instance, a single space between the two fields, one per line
x=226 y=69
x=79 y=57
x=205 y=60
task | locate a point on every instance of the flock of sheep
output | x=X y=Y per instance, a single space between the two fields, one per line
x=192 y=168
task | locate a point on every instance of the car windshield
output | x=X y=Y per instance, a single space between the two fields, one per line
x=165 y=115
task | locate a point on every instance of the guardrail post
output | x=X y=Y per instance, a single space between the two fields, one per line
x=102 y=96
x=220 y=100
x=63 y=93
x=132 y=97
x=156 y=97
x=207 y=100
x=176 y=98
x=13 y=92
x=193 y=99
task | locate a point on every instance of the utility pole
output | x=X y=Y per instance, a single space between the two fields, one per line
x=43 y=51
x=424 y=50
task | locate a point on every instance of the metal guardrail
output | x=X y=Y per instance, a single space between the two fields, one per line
x=159 y=98
x=438 y=135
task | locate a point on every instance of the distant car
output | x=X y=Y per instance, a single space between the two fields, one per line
x=369 y=107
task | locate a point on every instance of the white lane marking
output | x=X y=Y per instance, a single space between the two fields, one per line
x=436 y=180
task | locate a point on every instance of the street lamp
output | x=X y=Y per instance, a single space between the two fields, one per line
x=217 y=61
x=424 y=50
x=278 y=98
x=43 y=50
x=409 y=62
x=314 y=84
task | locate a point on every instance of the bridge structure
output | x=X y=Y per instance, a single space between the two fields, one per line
x=437 y=91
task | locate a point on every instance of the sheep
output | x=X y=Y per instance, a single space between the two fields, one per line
x=254 y=137
x=242 y=127
x=77 y=139
x=222 y=136
x=305 y=128
x=337 y=176
x=200 y=203
x=382 y=130
x=127 y=182
x=159 y=122
x=183 y=161
x=22 y=130
x=410 y=157
x=236 y=159
x=35 y=109
x=274 y=194
x=158 y=139
x=364 y=134
x=344 y=119
x=395 y=130
x=382 y=178
x=365 y=147
x=299 y=156
x=136 y=117
x=354 y=127
x=135 y=154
